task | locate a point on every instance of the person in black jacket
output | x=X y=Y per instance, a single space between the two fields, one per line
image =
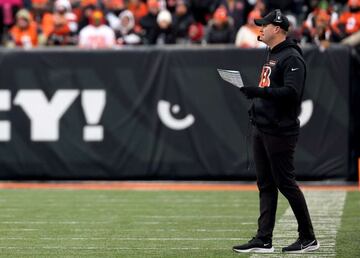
x=182 y=20
x=149 y=24
x=274 y=115
x=220 y=28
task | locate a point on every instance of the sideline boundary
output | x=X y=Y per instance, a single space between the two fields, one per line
x=160 y=186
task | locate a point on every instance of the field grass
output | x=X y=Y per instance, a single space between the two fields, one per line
x=78 y=223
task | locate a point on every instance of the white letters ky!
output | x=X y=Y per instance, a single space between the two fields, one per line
x=45 y=115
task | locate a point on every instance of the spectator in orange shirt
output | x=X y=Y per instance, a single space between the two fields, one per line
x=39 y=8
x=317 y=30
x=349 y=21
x=88 y=2
x=24 y=32
x=114 y=6
x=60 y=28
x=139 y=9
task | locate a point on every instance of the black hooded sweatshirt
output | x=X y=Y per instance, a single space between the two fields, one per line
x=275 y=110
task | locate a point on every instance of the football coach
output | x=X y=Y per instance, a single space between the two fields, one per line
x=274 y=115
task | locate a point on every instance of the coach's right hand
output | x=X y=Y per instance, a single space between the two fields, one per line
x=252 y=92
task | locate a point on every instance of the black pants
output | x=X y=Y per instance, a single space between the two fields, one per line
x=274 y=162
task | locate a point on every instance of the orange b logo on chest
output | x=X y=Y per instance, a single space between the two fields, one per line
x=265 y=77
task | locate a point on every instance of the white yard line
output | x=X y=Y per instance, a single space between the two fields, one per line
x=55 y=222
x=127 y=238
x=161 y=230
x=106 y=248
x=326 y=208
x=190 y=217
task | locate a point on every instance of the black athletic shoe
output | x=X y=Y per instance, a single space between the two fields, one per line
x=302 y=246
x=255 y=245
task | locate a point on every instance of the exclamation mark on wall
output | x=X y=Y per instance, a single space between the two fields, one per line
x=93 y=103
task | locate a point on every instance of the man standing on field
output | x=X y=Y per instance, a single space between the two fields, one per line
x=274 y=116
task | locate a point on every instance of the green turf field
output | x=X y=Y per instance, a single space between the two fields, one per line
x=60 y=223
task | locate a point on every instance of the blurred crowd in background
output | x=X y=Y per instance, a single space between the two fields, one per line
x=111 y=23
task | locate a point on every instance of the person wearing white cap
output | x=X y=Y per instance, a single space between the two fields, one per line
x=166 y=33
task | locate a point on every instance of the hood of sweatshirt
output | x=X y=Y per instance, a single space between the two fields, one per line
x=288 y=42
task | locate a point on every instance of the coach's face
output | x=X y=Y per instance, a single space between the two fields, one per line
x=268 y=33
